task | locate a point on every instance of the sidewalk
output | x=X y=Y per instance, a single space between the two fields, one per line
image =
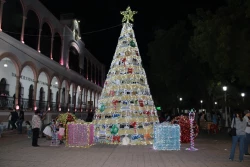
x=16 y=151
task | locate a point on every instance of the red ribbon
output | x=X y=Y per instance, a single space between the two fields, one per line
x=130 y=70
x=114 y=103
x=116 y=138
x=123 y=61
x=134 y=125
x=141 y=103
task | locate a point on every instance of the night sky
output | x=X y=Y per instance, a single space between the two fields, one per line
x=102 y=14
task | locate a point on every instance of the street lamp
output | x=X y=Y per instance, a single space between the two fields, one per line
x=243 y=95
x=225 y=96
x=180 y=104
x=201 y=103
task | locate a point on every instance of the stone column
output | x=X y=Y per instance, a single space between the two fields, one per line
x=39 y=40
x=34 y=93
x=59 y=98
x=23 y=27
x=81 y=101
x=51 y=46
x=1 y=13
x=74 y=100
x=91 y=100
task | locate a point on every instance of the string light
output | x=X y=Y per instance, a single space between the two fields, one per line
x=192 y=135
x=80 y=134
x=166 y=136
x=104 y=29
x=126 y=108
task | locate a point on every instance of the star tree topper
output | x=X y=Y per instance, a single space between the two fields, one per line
x=128 y=15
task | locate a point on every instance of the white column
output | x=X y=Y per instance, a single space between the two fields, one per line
x=51 y=46
x=1 y=13
x=23 y=27
x=39 y=40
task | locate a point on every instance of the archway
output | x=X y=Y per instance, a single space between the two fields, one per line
x=31 y=32
x=45 y=43
x=42 y=105
x=12 y=18
x=43 y=82
x=57 y=47
x=74 y=59
x=63 y=96
x=4 y=90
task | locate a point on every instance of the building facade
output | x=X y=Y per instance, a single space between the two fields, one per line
x=43 y=61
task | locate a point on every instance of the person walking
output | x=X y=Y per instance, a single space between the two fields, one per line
x=20 y=121
x=36 y=125
x=240 y=124
x=247 y=139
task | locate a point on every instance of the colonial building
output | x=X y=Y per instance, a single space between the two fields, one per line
x=43 y=61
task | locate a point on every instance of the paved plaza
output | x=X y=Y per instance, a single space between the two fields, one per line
x=16 y=151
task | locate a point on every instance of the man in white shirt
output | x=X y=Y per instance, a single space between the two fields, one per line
x=247 y=138
x=36 y=125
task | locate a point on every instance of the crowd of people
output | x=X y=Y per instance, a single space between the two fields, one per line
x=33 y=128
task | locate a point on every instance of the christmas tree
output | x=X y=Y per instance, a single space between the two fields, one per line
x=126 y=112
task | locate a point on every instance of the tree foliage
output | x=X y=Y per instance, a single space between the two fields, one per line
x=194 y=58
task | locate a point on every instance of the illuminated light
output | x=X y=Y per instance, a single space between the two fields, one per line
x=167 y=136
x=5 y=65
x=201 y=101
x=49 y=109
x=180 y=99
x=215 y=103
x=242 y=94
x=158 y=108
x=39 y=51
x=78 y=21
x=224 y=88
x=23 y=42
x=68 y=109
x=60 y=109
x=17 y=107
x=192 y=135
x=35 y=108
x=56 y=83
x=51 y=58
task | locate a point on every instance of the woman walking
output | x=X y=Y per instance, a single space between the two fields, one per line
x=240 y=124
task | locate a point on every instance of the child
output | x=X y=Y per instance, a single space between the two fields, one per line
x=29 y=128
x=61 y=133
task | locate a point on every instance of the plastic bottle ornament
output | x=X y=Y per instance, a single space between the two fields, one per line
x=132 y=43
x=102 y=108
x=114 y=130
x=125 y=141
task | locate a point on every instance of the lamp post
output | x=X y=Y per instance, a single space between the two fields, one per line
x=225 y=96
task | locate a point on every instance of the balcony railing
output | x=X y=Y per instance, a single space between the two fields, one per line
x=8 y=103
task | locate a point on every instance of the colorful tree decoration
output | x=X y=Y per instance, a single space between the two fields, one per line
x=65 y=118
x=191 y=120
x=184 y=123
x=126 y=95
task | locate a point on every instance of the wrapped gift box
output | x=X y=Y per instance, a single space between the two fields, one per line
x=80 y=135
x=166 y=136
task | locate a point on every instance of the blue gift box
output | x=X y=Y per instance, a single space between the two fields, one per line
x=166 y=136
